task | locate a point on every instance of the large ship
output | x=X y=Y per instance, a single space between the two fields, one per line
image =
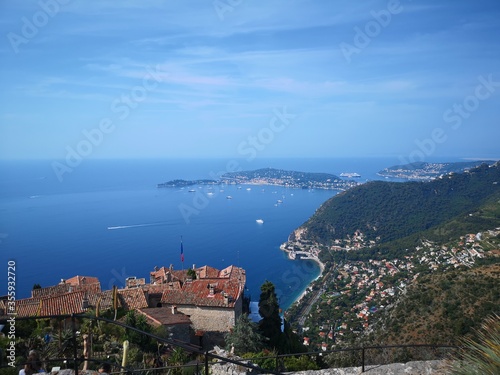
x=349 y=174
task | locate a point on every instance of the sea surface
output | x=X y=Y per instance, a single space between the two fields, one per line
x=107 y=218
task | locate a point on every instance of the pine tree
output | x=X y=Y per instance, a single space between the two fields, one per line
x=245 y=337
x=270 y=325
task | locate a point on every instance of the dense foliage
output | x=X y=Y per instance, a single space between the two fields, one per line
x=391 y=211
x=441 y=308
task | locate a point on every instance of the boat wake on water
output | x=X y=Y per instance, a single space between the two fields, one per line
x=137 y=225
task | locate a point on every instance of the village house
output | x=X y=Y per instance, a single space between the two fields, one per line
x=209 y=303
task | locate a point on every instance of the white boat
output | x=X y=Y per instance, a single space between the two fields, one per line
x=248 y=189
x=259 y=221
x=229 y=197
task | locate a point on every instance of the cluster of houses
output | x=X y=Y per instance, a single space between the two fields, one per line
x=190 y=304
x=367 y=280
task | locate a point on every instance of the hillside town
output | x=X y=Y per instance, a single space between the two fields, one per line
x=184 y=302
x=357 y=290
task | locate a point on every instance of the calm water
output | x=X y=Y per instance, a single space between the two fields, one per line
x=107 y=219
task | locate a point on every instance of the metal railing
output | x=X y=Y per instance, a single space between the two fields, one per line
x=348 y=357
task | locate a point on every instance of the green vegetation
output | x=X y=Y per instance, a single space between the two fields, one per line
x=480 y=356
x=244 y=337
x=388 y=211
x=53 y=338
x=270 y=325
x=441 y=308
x=404 y=262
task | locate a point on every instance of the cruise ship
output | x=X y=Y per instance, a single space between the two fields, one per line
x=349 y=174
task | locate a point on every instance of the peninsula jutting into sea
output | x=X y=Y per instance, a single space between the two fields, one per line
x=272 y=176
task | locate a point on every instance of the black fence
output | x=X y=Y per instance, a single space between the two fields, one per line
x=364 y=357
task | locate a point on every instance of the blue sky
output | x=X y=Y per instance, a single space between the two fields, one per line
x=240 y=78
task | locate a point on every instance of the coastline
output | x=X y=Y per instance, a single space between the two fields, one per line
x=312 y=257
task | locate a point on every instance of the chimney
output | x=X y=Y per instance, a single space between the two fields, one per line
x=194 y=266
x=171 y=267
x=174 y=310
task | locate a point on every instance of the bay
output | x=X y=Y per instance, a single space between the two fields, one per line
x=107 y=219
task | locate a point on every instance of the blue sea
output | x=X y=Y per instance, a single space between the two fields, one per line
x=107 y=219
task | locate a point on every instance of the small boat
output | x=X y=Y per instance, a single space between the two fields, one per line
x=279 y=201
x=248 y=189
x=229 y=197
x=259 y=221
x=192 y=191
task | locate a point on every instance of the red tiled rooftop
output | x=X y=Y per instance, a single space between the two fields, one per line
x=163 y=316
x=27 y=307
x=197 y=293
x=206 y=272
x=132 y=299
x=81 y=280
x=77 y=283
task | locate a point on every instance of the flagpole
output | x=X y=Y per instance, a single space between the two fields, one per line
x=182 y=254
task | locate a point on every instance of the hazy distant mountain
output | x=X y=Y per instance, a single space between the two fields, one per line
x=429 y=171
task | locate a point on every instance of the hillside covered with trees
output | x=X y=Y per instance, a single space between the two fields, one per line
x=387 y=211
x=414 y=262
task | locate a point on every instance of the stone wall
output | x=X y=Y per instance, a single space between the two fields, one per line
x=213 y=319
x=410 y=368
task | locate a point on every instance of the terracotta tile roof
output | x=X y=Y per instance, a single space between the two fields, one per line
x=90 y=284
x=28 y=307
x=166 y=275
x=197 y=293
x=178 y=275
x=51 y=290
x=80 y=280
x=160 y=288
x=70 y=303
x=105 y=300
x=158 y=276
x=134 y=282
x=132 y=299
x=207 y=272
x=163 y=316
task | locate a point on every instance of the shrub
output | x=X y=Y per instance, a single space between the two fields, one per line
x=482 y=354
